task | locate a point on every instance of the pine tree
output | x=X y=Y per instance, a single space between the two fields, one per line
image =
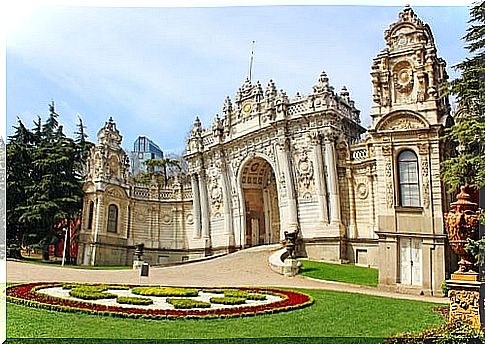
x=19 y=173
x=467 y=136
x=44 y=179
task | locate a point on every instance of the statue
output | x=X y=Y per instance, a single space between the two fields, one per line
x=290 y=243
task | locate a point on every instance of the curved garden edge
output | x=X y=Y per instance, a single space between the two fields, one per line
x=25 y=294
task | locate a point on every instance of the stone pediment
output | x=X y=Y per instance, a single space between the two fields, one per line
x=115 y=192
x=401 y=121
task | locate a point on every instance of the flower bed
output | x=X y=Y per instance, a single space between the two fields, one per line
x=30 y=295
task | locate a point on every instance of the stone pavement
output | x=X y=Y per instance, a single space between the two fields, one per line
x=244 y=268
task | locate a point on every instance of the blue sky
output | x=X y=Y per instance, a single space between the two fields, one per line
x=155 y=69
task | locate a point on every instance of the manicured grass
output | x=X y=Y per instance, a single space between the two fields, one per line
x=340 y=272
x=334 y=314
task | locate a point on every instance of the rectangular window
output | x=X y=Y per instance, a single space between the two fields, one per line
x=112 y=218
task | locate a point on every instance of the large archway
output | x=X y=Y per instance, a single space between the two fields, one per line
x=260 y=197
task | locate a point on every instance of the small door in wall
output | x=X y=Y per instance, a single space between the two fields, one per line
x=411 y=252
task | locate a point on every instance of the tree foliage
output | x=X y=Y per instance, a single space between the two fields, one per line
x=467 y=136
x=161 y=171
x=44 y=178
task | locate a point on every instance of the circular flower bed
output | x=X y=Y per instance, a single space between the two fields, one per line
x=258 y=301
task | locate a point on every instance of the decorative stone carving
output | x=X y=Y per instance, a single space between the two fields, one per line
x=403 y=77
x=386 y=150
x=323 y=84
x=166 y=218
x=402 y=121
x=425 y=174
x=464 y=306
x=389 y=186
x=423 y=148
x=362 y=190
x=305 y=171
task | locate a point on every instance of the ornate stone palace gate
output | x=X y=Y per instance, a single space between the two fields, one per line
x=273 y=163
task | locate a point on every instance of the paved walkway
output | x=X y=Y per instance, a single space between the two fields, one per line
x=244 y=268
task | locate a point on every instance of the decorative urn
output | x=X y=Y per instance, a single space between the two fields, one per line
x=461 y=224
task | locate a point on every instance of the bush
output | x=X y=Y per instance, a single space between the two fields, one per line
x=134 y=300
x=228 y=300
x=452 y=332
x=165 y=291
x=91 y=293
x=444 y=289
x=188 y=303
x=244 y=294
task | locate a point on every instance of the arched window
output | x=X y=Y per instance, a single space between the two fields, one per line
x=112 y=218
x=407 y=165
x=90 y=215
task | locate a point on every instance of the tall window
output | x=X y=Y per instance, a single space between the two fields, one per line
x=112 y=218
x=407 y=164
x=90 y=215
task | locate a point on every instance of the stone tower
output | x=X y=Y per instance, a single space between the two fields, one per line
x=409 y=116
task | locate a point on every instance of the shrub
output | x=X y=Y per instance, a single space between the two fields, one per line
x=188 y=303
x=134 y=300
x=165 y=291
x=452 y=332
x=444 y=289
x=244 y=294
x=91 y=293
x=228 y=300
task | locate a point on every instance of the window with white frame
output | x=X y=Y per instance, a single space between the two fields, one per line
x=407 y=165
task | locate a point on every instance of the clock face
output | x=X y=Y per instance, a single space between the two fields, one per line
x=246 y=108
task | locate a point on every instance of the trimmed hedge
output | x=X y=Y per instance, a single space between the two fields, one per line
x=188 y=303
x=90 y=294
x=143 y=301
x=244 y=294
x=228 y=300
x=165 y=291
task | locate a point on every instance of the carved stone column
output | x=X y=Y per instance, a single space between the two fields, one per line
x=97 y=227
x=204 y=206
x=284 y=157
x=352 y=220
x=196 y=205
x=315 y=140
x=226 y=194
x=331 y=162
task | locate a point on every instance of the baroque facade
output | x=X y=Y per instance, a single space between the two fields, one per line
x=273 y=164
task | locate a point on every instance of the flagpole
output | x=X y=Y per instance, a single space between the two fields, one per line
x=251 y=62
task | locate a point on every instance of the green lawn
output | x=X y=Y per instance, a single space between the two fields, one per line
x=340 y=272
x=334 y=314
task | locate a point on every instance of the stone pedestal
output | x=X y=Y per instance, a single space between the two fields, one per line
x=137 y=264
x=291 y=267
x=464 y=294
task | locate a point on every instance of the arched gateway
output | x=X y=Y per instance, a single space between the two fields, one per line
x=273 y=163
x=260 y=197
